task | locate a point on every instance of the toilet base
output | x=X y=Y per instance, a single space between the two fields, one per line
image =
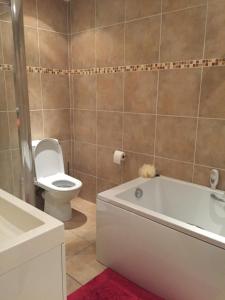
x=61 y=210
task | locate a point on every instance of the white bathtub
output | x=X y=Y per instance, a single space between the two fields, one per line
x=171 y=241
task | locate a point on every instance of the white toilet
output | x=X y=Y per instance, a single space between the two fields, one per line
x=50 y=175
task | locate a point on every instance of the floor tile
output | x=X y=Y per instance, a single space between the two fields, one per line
x=74 y=243
x=71 y=284
x=83 y=266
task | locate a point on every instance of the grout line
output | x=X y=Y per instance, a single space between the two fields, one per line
x=69 y=275
x=137 y=19
x=157 y=95
x=40 y=76
x=200 y=92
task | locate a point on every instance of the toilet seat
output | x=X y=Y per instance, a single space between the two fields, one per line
x=47 y=183
x=59 y=188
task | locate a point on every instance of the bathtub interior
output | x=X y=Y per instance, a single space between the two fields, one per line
x=180 y=200
x=14 y=221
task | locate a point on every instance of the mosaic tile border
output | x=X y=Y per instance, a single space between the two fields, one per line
x=47 y=70
x=188 y=64
x=5 y=67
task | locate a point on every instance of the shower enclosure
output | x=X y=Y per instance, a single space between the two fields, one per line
x=16 y=166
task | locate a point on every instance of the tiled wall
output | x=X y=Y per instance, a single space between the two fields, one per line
x=146 y=77
x=46 y=37
x=174 y=118
x=46 y=33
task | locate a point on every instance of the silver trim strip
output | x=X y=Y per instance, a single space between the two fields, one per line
x=22 y=102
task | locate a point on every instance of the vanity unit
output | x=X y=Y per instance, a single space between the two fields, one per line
x=32 y=254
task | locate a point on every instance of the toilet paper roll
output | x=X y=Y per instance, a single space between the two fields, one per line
x=118 y=157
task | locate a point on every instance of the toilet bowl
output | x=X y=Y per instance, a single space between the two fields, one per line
x=59 y=188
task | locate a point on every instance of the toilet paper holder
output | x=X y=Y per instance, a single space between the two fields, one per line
x=119 y=157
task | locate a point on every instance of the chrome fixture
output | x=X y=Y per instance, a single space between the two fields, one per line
x=214 y=178
x=22 y=101
x=138 y=193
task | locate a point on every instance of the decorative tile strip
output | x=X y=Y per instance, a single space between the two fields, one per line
x=189 y=64
x=47 y=71
x=5 y=67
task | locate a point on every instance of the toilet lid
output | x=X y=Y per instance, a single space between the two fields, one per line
x=48 y=158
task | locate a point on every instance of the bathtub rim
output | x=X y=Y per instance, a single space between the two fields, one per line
x=110 y=196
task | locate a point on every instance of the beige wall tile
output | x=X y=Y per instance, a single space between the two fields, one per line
x=83 y=49
x=52 y=15
x=30 y=12
x=215 y=34
x=67 y=155
x=176 y=138
x=85 y=126
x=84 y=89
x=175 y=169
x=110 y=46
x=142 y=41
x=7 y=43
x=106 y=169
x=109 y=129
x=132 y=164
x=110 y=92
x=139 y=133
x=36 y=119
x=53 y=49
x=141 y=8
x=82 y=15
x=34 y=89
x=4 y=11
x=169 y=5
x=57 y=124
x=183 y=34
x=179 y=92
x=16 y=172
x=202 y=174
x=10 y=91
x=109 y=12
x=4 y=131
x=31 y=46
x=13 y=131
x=88 y=190
x=3 y=105
x=1 y=46
x=211 y=143
x=55 y=91
x=140 y=92
x=85 y=158
x=103 y=185
x=213 y=90
x=6 y=180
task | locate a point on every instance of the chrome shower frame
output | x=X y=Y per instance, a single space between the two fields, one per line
x=22 y=102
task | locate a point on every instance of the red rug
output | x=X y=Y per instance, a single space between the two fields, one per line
x=111 y=286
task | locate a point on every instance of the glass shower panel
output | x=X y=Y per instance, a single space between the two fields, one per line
x=10 y=164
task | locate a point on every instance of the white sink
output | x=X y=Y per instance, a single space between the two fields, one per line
x=14 y=221
x=31 y=252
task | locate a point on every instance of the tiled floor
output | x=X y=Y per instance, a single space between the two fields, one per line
x=80 y=236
